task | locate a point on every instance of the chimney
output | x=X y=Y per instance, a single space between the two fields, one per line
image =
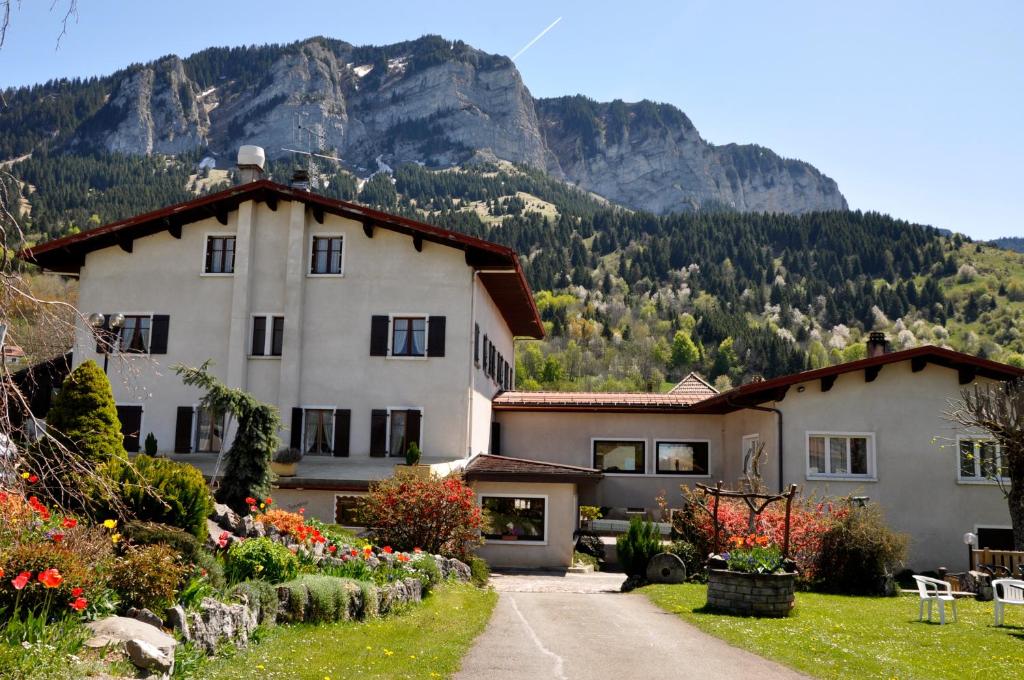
x=250 y=163
x=877 y=344
x=300 y=180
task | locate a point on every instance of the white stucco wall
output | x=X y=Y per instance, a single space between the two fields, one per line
x=330 y=365
x=492 y=324
x=562 y=511
x=915 y=454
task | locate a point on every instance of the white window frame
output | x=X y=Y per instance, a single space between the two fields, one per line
x=872 y=474
x=387 y=433
x=206 y=241
x=268 y=338
x=116 y=349
x=647 y=455
x=547 y=516
x=695 y=440
x=309 y=252
x=302 y=436
x=743 y=448
x=195 y=432
x=980 y=480
x=426 y=335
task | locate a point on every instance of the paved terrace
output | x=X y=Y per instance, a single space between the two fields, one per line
x=327 y=472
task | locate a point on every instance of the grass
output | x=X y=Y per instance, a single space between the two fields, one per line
x=832 y=636
x=425 y=641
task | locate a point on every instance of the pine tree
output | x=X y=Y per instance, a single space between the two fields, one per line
x=84 y=416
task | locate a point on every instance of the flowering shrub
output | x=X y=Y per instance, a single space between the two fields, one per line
x=439 y=515
x=858 y=552
x=262 y=559
x=148 y=576
x=753 y=554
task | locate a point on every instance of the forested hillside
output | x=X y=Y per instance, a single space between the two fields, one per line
x=633 y=300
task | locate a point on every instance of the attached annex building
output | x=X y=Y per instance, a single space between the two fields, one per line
x=371 y=331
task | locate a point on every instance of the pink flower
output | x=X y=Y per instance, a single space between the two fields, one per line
x=21 y=580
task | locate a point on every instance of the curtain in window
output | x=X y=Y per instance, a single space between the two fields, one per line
x=135 y=334
x=419 y=327
x=837 y=455
x=397 y=435
x=816 y=451
x=209 y=431
x=401 y=338
x=319 y=432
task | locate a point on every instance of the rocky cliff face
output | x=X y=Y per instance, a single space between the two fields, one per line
x=440 y=103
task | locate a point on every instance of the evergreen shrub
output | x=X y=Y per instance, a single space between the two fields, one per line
x=637 y=546
x=260 y=559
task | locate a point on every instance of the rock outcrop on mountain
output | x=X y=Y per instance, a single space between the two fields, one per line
x=440 y=103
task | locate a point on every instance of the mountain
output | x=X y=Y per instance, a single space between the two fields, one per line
x=1014 y=243
x=430 y=101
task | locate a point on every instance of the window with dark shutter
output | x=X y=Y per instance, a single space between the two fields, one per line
x=413 y=423
x=379 y=432
x=487 y=345
x=342 y=427
x=476 y=344
x=435 y=336
x=296 y=429
x=495 y=438
x=131 y=424
x=259 y=336
x=379 y=336
x=183 y=430
x=160 y=329
x=277 y=336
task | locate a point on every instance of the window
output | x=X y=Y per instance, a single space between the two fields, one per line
x=476 y=344
x=134 y=335
x=840 y=455
x=682 y=458
x=980 y=459
x=517 y=518
x=620 y=456
x=409 y=336
x=220 y=255
x=995 y=538
x=318 y=432
x=209 y=431
x=326 y=256
x=264 y=343
x=403 y=430
x=130 y=417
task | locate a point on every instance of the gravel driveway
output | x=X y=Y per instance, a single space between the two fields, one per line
x=580 y=627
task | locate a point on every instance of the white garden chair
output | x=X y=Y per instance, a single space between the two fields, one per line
x=1006 y=591
x=932 y=591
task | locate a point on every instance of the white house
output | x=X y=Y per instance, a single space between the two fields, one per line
x=371 y=331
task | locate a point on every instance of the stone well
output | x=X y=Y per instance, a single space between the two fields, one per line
x=735 y=592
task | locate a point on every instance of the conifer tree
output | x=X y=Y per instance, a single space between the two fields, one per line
x=84 y=416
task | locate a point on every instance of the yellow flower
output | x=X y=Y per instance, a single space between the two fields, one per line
x=262 y=505
x=24 y=475
x=110 y=523
x=115 y=538
x=388 y=652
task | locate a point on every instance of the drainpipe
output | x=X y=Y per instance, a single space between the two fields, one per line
x=778 y=427
x=472 y=364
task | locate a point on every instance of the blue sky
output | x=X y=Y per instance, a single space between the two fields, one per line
x=914 y=108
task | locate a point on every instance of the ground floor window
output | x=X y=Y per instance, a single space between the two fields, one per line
x=209 y=431
x=130 y=417
x=620 y=455
x=682 y=458
x=839 y=455
x=980 y=459
x=403 y=430
x=318 y=432
x=995 y=539
x=514 y=518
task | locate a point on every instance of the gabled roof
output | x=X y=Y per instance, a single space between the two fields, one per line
x=486 y=467
x=688 y=400
x=693 y=385
x=499 y=268
x=968 y=366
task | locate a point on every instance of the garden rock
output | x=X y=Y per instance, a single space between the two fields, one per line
x=591 y=545
x=400 y=593
x=119 y=630
x=218 y=622
x=253 y=529
x=451 y=567
x=227 y=519
x=145 y=616
x=666 y=568
x=177 y=621
x=632 y=583
x=147 y=656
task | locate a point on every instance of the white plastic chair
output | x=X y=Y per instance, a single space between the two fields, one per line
x=1006 y=591
x=932 y=590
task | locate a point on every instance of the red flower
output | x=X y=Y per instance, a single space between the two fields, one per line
x=79 y=603
x=417 y=550
x=76 y=592
x=250 y=501
x=223 y=539
x=21 y=580
x=32 y=479
x=388 y=550
x=331 y=549
x=69 y=523
x=302 y=511
x=50 y=578
x=57 y=538
x=1 y=573
x=268 y=501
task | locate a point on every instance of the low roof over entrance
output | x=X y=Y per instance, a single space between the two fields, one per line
x=488 y=468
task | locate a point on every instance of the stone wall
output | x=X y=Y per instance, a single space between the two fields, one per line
x=751 y=594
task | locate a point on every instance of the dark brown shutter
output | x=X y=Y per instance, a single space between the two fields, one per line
x=103 y=336
x=378 y=432
x=379 y=336
x=158 y=334
x=342 y=425
x=435 y=337
x=476 y=344
x=496 y=438
x=131 y=423
x=412 y=428
x=296 y=442
x=183 y=430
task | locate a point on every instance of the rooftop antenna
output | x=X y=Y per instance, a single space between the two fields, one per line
x=314 y=138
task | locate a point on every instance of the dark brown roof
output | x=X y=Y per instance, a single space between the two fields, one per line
x=486 y=467
x=689 y=400
x=500 y=270
x=968 y=366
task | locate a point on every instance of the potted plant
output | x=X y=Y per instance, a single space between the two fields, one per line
x=752 y=579
x=412 y=463
x=285 y=462
x=150 y=446
x=588 y=513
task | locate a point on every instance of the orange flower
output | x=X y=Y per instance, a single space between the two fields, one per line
x=69 y=523
x=1 y=573
x=50 y=578
x=79 y=603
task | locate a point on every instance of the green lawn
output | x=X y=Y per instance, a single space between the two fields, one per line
x=832 y=636
x=426 y=641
